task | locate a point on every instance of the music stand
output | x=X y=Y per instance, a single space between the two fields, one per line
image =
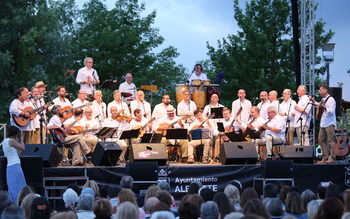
x=199 y=134
x=176 y=134
x=217 y=111
x=151 y=138
x=104 y=131
x=253 y=134
x=187 y=113
x=109 y=84
x=220 y=126
x=129 y=134
x=67 y=74
x=236 y=136
x=219 y=77
x=156 y=138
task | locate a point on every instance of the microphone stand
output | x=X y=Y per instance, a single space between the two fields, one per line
x=288 y=118
x=163 y=81
x=151 y=91
x=301 y=123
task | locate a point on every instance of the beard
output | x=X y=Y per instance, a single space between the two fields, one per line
x=166 y=103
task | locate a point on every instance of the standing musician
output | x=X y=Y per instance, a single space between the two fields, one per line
x=121 y=126
x=80 y=100
x=327 y=125
x=273 y=99
x=88 y=123
x=221 y=135
x=140 y=121
x=121 y=106
x=87 y=77
x=61 y=100
x=37 y=100
x=160 y=110
x=98 y=108
x=140 y=103
x=274 y=134
x=286 y=110
x=263 y=105
x=186 y=105
x=198 y=75
x=206 y=142
x=298 y=109
x=42 y=87
x=73 y=141
x=16 y=107
x=128 y=86
x=163 y=125
x=244 y=103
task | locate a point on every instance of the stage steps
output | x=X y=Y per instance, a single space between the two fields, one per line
x=54 y=187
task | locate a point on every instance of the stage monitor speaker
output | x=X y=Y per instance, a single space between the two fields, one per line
x=148 y=152
x=336 y=93
x=49 y=153
x=106 y=154
x=142 y=171
x=299 y=154
x=278 y=169
x=238 y=153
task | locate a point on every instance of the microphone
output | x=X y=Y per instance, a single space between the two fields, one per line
x=293 y=94
x=240 y=96
x=141 y=99
x=48 y=92
x=30 y=97
x=280 y=98
x=255 y=98
x=171 y=101
x=101 y=99
x=69 y=94
x=314 y=95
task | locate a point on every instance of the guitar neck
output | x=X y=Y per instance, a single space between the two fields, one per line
x=88 y=130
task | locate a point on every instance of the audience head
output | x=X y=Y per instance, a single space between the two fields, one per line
x=162 y=215
x=65 y=215
x=27 y=203
x=75 y=188
x=164 y=197
x=209 y=210
x=127 y=210
x=152 y=191
x=197 y=200
x=274 y=207
x=223 y=203
x=112 y=192
x=283 y=194
x=207 y=194
x=127 y=195
x=70 y=197
x=161 y=207
x=346 y=199
x=198 y=183
x=88 y=191
x=346 y=215
x=294 y=205
x=238 y=185
x=330 y=208
x=321 y=192
x=184 y=200
x=126 y=182
x=85 y=201
x=13 y=212
x=103 y=190
x=234 y=215
x=312 y=208
x=279 y=185
x=248 y=193
x=270 y=190
x=232 y=194
x=307 y=196
x=255 y=206
x=23 y=193
x=164 y=185
x=293 y=189
x=150 y=204
x=188 y=211
x=102 y=208
x=40 y=209
x=5 y=200
x=193 y=188
x=93 y=185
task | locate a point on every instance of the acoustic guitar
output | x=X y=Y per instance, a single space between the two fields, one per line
x=143 y=128
x=61 y=136
x=341 y=149
x=230 y=128
x=82 y=131
x=22 y=121
x=200 y=126
x=245 y=133
x=170 y=126
x=68 y=111
x=261 y=130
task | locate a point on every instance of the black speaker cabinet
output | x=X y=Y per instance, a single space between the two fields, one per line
x=49 y=153
x=299 y=154
x=142 y=171
x=148 y=152
x=106 y=154
x=238 y=153
x=278 y=169
x=336 y=93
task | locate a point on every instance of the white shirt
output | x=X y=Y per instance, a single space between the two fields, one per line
x=167 y=120
x=276 y=122
x=207 y=112
x=303 y=101
x=77 y=103
x=10 y=153
x=159 y=111
x=225 y=123
x=246 y=105
x=184 y=107
x=328 y=116
x=98 y=109
x=57 y=101
x=205 y=125
x=37 y=118
x=89 y=124
x=135 y=123
x=55 y=121
x=263 y=109
x=144 y=106
x=82 y=75
x=15 y=109
x=121 y=105
x=288 y=108
x=114 y=123
x=128 y=88
x=194 y=76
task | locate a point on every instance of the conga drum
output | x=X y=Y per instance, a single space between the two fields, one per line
x=206 y=82
x=198 y=97
x=196 y=82
x=213 y=89
x=179 y=90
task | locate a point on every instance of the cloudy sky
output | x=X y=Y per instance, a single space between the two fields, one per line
x=189 y=24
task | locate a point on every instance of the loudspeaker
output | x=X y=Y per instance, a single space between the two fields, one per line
x=299 y=154
x=238 y=153
x=278 y=169
x=49 y=153
x=106 y=154
x=336 y=93
x=142 y=171
x=148 y=152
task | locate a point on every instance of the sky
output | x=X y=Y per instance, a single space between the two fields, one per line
x=189 y=24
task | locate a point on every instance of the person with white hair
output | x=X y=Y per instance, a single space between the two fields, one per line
x=87 y=77
x=163 y=215
x=85 y=203
x=209 y=210
x=286 y=110
x=127 y=210
x=70 y=198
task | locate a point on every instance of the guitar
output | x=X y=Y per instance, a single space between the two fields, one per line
x=170 y=126
x=22 y=121
x=82 y=131
x=245 y=133
x=320 y=108
x=200 y=126
x=230 y=128
x=61 y=136
x=69 y=110
x=342 y=147
x=142 y=128
x=261 y=130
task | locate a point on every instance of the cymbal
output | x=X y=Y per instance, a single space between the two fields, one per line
x=124 y=94
x=135 y=88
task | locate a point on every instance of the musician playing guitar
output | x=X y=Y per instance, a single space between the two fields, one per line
x=80 y=101
x=73 y=141
x=163 y=125
x=206 y=142
x=327 y=124
x=226 y=122
x=61 y=100
x=140 y=121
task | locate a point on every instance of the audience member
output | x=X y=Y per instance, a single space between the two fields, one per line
x=152 y=191
x=307 y=196
x=248 y=194
x=270 y=191
x=65 y=215
x=234 y=215
x=346 y=199
x=27 y=203
x=209 y=210
x=293 y=189
x=312 y=208
x=198 y=201
x=112 y=195
x=332 y=188
x=331 y=208
x=165 y=197
x=294 y=206
x=127 y=210
x=5 y=201
x=255 y=206
x=233 y=196
x=274 y=207
x=93 y=185
x=102 y=209
x=206 y=193
x=161 y=207
x=321 y=192
x=150 y=203
x=346 y=215
x=23 y=193
x=40 y=209
x=188 y=211
x=70 y=198
x=223 y=203
x=193 y=188
x=85 y=202
x=128 y=195
x=88 y=190
x=162 y=215
x=103 y=190
x=164 y=185
x=61 y=205
x=238 y=185
x=283 y=194
x=126 y=183
x=13 y=212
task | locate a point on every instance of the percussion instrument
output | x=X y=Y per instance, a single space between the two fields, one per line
x=206 y=82
x=196 y=82
x=199 y=97
x=213 y=89
x=179 y=90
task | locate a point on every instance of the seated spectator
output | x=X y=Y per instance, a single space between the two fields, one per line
x=346 y=199
x=103 y=190
x=152 y=191
x=150 y=203
x=331 y=208
x=270 y=191
x=27 y=203
x=234 y=215
x=65 y=215
x=321 y=192
x=312 y=208
x=346 y=215
x=126 y=183
x=102 y=208
x=5 y=201
x=93 y=185
x=164 y=185
x=206 y=193
x=127 y=210
x=13 y=212
x=198 y=201
x=255 y=206
x=40 y=209
x=248 y=194
x=183 y=200
x=162 y=215
x=70 y=198
x=23 y=193
x=85 y=203
x=193 y=188
x=61 y=205
x=238 y=185
x=209 y=210
x=294 y=206
x=188 y=210
x=307 y=196
x=128 y=195
x=223 y=203
x=165 y=197
x=294 y=189
x=274 y=207
x=283 y=194
x=161 y=207
x=233 y=196
x=112 y=196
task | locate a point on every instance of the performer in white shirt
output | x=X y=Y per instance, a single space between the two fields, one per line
x=88 y=123
x=286 y=110
x=298 y=109
x=128 y=87
x=139 y=122
x=160 y=110
x=327 y=125
x=206 y=142
x=42 y=87
x=198 y=74
x=87 y=77
x=244 y=103
x=140 y=103
x=263 y=105
x=273 y=99
x=80 y=102
x=61 y=100
x=99 y=108
x=117 y=102
x=186 y=106
x=122 y=126
x=37 y=102
x=274 y=134
x=221 y=135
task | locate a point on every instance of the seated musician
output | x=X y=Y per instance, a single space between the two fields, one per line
x=222 y=137
x=73 y=141
x=88 y=123
x=121 y=126
x=139 y=122
x=275 y=131
x=206 y=142
x=163 y=125
x=186 y=106
x=80 y=101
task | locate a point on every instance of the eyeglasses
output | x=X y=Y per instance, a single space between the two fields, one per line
x=88 y=112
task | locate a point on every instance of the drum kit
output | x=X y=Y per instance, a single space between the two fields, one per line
x=200 y=90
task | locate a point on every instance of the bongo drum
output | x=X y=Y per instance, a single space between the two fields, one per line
x=196 y=82
x=213 y=89
x=206 y=82
x=179 y=90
